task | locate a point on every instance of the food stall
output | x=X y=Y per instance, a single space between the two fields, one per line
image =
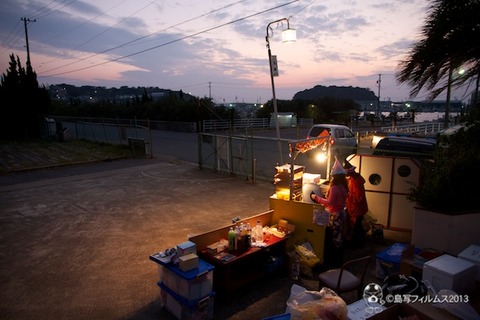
x=291 y=199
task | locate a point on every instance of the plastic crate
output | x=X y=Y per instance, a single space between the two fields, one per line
x=191 y=285
x=388 y=260
x=200 y=309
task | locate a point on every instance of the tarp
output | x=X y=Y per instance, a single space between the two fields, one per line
x=302 y=146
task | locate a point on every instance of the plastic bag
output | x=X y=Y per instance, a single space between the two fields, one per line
x=452 y=302
x=324 y=304
x=368 y=221
x=321 y=217
x=307 y=258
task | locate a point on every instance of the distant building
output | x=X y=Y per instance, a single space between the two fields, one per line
x=285 y=120
x=243 y=109
x=439 y=105
x=405 y=106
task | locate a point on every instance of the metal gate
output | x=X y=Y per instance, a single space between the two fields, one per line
x=226 y=153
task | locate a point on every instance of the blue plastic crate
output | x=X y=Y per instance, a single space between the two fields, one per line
x=388 y=260
x=181 y=308
x=191 y=285
x=203 y=267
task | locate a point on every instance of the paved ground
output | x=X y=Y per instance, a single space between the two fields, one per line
x=76 y=246
x=75 y=241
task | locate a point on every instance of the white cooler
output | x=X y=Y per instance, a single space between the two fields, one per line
x=448 y=272
x=472 y=254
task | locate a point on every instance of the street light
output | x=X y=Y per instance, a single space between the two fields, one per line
x=460 y=72
x=288 y=36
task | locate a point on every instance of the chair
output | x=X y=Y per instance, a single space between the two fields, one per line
x=347 y=278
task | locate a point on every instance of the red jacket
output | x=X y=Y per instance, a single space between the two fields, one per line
x=356 y=202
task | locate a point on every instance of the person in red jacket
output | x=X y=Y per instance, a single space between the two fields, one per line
x=356 y=204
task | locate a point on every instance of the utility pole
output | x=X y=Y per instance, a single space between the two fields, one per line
x=25 y=20
x=379 y=82
x=210 y=90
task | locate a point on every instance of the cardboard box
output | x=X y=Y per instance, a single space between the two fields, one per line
x=448 y=272
x=185 y=248
x=188 y=262
x=217 y=247
x=472 y=254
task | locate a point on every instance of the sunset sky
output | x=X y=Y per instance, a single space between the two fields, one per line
x=214 y=48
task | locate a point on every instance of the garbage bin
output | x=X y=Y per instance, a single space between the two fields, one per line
x=137 y=146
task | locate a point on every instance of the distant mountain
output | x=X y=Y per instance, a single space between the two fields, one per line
x=353 y=93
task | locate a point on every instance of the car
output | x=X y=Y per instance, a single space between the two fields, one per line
x=394 y=146
x=342 y=140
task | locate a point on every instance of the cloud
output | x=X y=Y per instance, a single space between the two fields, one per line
x=162 y=43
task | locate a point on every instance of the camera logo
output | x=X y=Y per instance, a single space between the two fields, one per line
x=373 y=296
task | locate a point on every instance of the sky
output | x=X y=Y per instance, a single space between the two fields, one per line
x=215 y=48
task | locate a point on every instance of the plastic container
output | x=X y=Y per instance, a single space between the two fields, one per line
x=448 y=272
x=472 y=254
x=388 y=260
x=199 y=309
x=190 y=285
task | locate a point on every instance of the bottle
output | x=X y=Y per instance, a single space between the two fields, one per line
x=231 y=239
x=257 y=232
x=248 y=237
x=237 y=235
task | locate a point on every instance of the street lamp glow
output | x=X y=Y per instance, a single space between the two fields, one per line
x=289 y=35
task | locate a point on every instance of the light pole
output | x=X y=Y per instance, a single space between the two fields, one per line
x=288 y=35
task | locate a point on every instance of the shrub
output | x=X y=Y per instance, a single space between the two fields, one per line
x=449 y=183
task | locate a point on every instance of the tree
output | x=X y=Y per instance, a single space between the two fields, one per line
x=25 y=104
x=448 y=183
x=449 y=40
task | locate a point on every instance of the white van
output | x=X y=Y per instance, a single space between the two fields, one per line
x=342 y=140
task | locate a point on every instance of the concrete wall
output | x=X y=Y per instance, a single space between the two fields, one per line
x=449 y=233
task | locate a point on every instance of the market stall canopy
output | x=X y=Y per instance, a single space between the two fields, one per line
x=302 y=146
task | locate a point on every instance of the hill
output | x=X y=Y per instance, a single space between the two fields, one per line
x=353 y=93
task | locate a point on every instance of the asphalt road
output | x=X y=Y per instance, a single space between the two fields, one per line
x=75 y=241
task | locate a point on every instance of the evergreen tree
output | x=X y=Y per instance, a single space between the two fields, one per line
x=26 y=104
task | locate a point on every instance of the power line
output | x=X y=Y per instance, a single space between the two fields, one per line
x=38 y=14
x=111 y=27
x=143 y=37
x=83 y=23
x=48 y=11
x=13 y=35
x=175 y=40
